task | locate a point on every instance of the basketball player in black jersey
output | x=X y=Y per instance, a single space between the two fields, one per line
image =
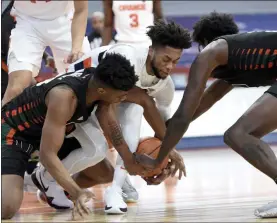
x=37 y=119
x=248 y=59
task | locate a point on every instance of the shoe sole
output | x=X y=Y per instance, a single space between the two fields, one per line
x=131 y=201
x=267 y=214
x=40 y=199
x=49 y=201
x=115 y=210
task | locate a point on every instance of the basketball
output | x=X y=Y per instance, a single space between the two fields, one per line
x=151 y=146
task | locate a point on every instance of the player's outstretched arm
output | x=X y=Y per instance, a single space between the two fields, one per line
x=215 y=54
x=108 y=23
x=78 y=29
x=212 y=94
x=151 y=113
x=106 y=116
x=61 y=104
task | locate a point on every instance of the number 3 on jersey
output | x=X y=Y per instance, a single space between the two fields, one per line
x=134 y=18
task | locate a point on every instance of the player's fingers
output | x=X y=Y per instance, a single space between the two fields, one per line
x=84 y=208
x=79 y=209
x=180 y=174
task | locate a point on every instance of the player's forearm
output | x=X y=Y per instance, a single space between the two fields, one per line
x=78 y=29
x=55 y=167
x=107 y=35
x=176 y=128
x=111 y=128
x=213 y=94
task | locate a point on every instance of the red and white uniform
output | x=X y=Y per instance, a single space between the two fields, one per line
x=131 y=19
x=40 y=24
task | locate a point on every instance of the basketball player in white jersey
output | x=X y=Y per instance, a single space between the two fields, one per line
x=152 y=65
x=130 y=19
x=41 y=24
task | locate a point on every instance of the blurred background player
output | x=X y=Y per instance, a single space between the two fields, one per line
x=40 y=24
x=130 y=20
x=97 y=25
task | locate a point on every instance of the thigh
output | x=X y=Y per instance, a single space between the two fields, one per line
x=260 y=119
x=130 y=118
x=26 y=47
x=91 y=138
x=69 y=145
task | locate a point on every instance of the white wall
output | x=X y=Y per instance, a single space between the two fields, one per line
x=220 y=117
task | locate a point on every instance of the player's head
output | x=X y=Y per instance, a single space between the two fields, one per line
x=114 y=77
x=212 y=26
x=168 y=42
x=97 y=21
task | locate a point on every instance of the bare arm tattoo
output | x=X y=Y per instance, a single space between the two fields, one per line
x=116 y=134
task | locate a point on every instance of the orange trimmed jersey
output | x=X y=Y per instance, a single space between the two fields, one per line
x=25 y=114
x=252 y=59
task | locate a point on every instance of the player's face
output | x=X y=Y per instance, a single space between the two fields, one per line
x=164 y=59
x=97 y=23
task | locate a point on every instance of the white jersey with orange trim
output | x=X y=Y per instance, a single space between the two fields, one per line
x=131 y=19
x=161 y=90
x=44 y=10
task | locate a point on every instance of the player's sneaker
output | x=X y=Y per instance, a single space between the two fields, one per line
x=29 y=186
x=114 y=201
x=267 y=211
x=52 y=193
x=129 y=193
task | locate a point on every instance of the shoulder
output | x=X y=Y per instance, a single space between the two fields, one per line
x=216 y=50
x=61 y=95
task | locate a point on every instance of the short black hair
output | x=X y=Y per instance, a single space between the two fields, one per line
x=212 y=26
x=115 y=71
x=169 y=34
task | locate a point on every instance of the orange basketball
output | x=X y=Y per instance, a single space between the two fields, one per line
x=151 y=146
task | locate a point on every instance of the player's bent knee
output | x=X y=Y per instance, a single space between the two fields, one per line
x=232 y=135
x=8 y=210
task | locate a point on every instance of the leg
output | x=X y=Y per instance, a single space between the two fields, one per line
x=93 y=150
x=101 y=173
x=24 y=59
x=14 y=163
x=244 y=136
x=131 y=131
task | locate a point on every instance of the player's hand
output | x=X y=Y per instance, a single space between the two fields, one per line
x=73 y=56
x=80 y=210
x=146 y=161
x=133 y=167
x=176 y=163
x=158 y=179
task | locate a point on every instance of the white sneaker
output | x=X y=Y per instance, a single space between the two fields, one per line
x=114 y=201
x=51 y=192
x=129 y=193
x=29 y=186
x=267 y=211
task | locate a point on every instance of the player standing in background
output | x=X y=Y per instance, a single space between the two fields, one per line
x=130 y=19
x=245 y=59
x=40 y=24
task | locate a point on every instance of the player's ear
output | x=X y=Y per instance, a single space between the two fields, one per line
x=151 y=51
x=101 y=91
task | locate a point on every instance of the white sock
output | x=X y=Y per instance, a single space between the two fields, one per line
x=119 y=176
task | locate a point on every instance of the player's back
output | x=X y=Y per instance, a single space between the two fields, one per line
x=26 y=112
x=131 y=19
x=44 y=10
x=252 y=59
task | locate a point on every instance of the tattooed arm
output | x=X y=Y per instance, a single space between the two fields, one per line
x=107 y=119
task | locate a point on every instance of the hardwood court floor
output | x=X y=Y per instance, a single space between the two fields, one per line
x=220 y=187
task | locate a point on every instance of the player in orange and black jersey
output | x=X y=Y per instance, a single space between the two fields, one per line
x=37 y=119
x=234 y=59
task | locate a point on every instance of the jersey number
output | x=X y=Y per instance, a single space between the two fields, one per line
x=135 y=22
x=35 y=1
